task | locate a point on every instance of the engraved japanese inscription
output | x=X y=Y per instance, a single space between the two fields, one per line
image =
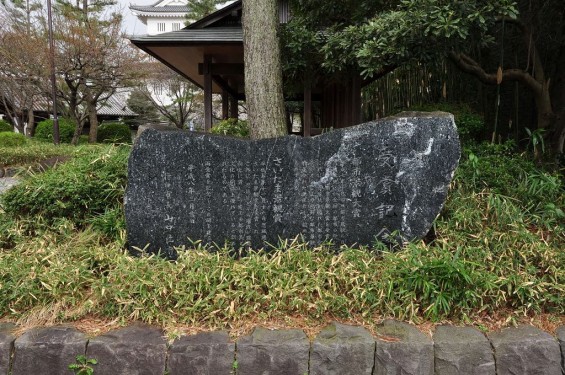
x=350 y=186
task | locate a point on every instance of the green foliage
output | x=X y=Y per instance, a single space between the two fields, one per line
x=201 y=8
x=8 y=235
x=84 y=187
x=499 y=247
x=114 y=132
x=11 y=139
x=111 y=223
x=536 y=140
x=470 y=125
x=44 y=130
x=5 y=127
x=500 y=171
x=35 y=151
x=83 y=139
x=232 y=127
x=373 y=36
x=83 y=365
x=141 y=104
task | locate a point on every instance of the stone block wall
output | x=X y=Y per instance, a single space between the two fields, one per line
x=398 y=348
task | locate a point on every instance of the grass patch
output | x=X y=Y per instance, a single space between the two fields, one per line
x=499 y=247
x=86 y=186
x=35 y=151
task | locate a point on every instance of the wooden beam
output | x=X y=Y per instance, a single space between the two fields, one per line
x=207 y=94
x=224 y=85
x=223 y=69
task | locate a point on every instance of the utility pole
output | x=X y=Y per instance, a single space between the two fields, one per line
x=53 y=82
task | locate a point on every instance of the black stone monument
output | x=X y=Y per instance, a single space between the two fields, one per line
x=352 y=186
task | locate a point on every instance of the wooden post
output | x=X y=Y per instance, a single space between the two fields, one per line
x=225 y=103
x=207 y=94
x=307 y=110
x=234 y=109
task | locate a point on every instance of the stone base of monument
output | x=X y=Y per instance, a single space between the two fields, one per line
x=380 y=181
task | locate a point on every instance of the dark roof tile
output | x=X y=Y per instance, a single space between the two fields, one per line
x=212 y=34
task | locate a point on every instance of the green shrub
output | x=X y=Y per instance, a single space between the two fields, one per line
x=232 y=127
x=537 y=195
x=44 y=130
x=470 y=124
x=114 y=132
x=36 y=151
x=5 y=127
x=83 y=139
x=111 y=223
x=78 y=190
x=10 y=139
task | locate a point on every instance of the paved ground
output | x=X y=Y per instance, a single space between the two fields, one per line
x=7 y=182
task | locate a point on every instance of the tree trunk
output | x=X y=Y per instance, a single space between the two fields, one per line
x=263 y=73
x=558 y=100
x=543 y=107
x=30 y=123
x=78 y=130
x=93 y=120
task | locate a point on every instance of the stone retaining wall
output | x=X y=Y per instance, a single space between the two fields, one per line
x=399 y=348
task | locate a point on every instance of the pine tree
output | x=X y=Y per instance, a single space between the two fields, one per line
x=201 y=8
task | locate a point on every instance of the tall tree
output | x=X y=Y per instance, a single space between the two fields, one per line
x=22 y=64
x=93 y=59
x=198 y=9
x=263 y=74
x=143 y=106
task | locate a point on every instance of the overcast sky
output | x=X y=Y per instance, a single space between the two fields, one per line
x=131 y=25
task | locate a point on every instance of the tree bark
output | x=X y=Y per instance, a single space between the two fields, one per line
x=30 y=122
x=263 y=73
x=557 y=91
x=93 y=120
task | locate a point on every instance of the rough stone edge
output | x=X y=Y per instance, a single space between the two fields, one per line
x=480 y=338
x=336 y=324
x=171 y=342
x=42 y=329
x=560 y=333
x=408 y=335
x=7 y=330
x=497 y=338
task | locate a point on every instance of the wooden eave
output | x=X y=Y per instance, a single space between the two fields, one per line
x=184 y=51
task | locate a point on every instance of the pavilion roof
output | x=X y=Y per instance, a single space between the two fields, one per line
x=189 y=36
x=165 y=9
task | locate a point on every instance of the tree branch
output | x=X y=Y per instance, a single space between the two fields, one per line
x=470 y=66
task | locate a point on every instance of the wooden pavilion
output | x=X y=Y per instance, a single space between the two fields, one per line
x=209 y=53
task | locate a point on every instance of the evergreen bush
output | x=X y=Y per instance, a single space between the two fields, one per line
x=79 y=190
x=470 y=124
x=5 y=127
x=232 y=127
x=114 y=132
x=11 y=139
x=44 y=130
